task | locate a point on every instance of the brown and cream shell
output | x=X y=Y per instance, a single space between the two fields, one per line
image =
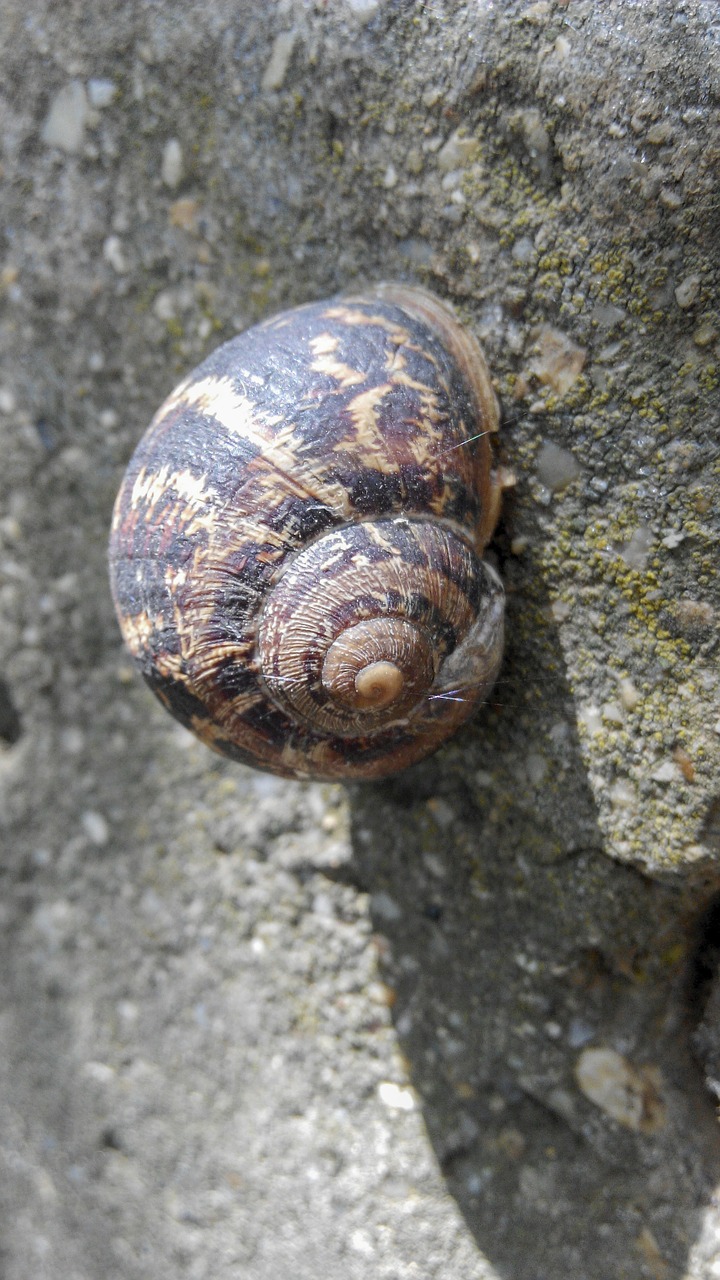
x=296 y=546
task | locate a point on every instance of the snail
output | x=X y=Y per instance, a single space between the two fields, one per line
x=296 y=547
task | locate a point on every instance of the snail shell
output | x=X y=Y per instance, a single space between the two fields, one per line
x=296 y=546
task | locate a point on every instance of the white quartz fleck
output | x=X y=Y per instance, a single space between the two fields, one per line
x=280 y=56
x=101 y=93
x=172 y=168
x=67 y=118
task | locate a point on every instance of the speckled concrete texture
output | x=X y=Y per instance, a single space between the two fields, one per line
x=460 y=1025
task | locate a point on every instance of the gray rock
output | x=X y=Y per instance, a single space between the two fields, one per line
x=271 y=1030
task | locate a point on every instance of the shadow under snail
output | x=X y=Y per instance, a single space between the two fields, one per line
x=296 y=547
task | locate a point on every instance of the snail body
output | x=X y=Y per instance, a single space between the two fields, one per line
x=296 y=546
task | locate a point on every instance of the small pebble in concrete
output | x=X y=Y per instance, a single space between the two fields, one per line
x=395 y=1096
x=172 y=168
x=630 y=1095
x=276 y=69
x=687 y=291
x=556 y=467
x=95 y=826
x=101 y=93
x=67 y=119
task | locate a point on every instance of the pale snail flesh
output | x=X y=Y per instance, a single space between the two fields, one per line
x=296 y=548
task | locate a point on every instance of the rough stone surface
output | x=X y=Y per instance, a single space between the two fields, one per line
x=276 y=1030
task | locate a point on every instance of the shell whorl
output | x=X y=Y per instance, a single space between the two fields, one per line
x=392 y=594
x=295 y=555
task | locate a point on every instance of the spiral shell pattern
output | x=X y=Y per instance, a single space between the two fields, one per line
x=295 y=550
